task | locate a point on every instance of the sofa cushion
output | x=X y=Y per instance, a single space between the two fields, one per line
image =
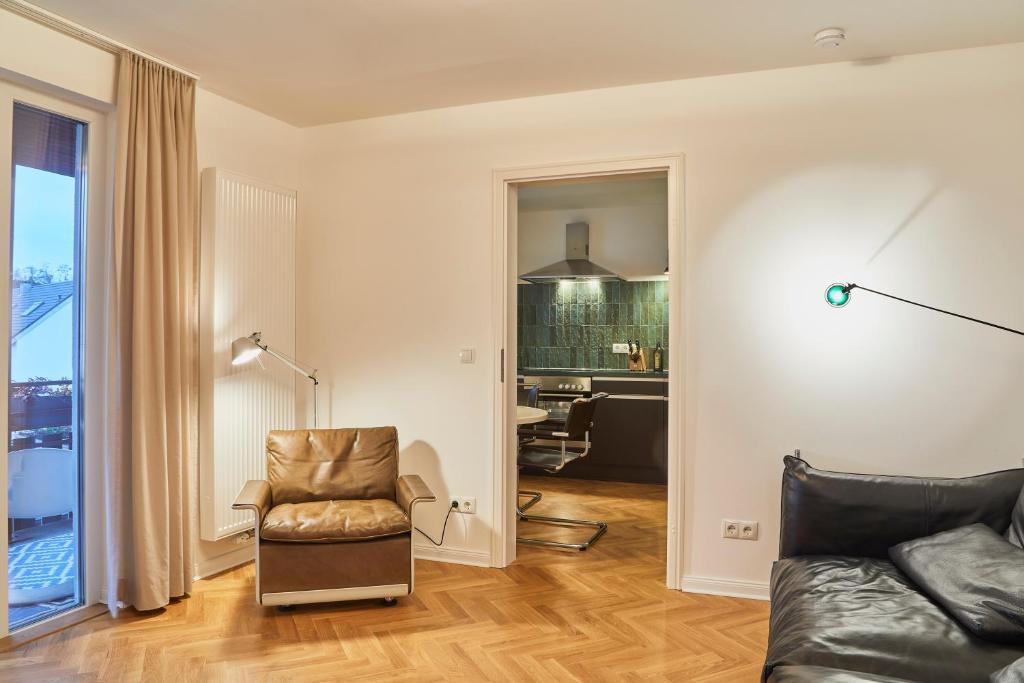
x=332 y=464
x=333 y=521
x=975 y=574
x=823 y=674
x=1015 y=532
x=863 y=615
x=863 y=515
x=1011 y=673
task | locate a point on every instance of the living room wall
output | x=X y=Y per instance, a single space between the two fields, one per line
x=903 y=174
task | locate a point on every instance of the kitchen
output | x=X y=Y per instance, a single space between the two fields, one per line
x=592 y=324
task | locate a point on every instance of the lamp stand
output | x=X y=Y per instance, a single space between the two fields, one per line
x=850 y=287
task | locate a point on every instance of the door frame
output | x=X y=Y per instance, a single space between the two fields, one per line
x=97 y=159
x=503 y=307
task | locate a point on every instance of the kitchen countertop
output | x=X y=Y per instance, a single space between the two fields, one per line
x=591 y=372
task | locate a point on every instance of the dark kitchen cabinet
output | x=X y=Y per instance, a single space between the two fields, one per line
x=630 y=437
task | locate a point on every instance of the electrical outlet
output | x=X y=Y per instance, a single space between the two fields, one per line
x=739 y=529
x=620 y=348
x=467 y=505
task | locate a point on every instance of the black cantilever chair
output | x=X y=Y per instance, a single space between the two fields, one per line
x=550 y=450
x=527 y=394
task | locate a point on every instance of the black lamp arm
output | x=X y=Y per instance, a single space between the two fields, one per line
x=853 y=286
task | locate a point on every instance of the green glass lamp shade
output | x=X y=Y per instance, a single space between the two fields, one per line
x=837 y=295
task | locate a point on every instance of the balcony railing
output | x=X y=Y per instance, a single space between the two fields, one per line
x=39 y=414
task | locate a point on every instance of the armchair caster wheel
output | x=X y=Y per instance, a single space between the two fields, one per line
x=389 y=602
x=286 y=608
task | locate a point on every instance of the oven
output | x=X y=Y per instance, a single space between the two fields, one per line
x=557 y=392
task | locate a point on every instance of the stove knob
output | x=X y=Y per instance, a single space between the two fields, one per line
x=561 y=386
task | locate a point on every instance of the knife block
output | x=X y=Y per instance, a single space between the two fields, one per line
x=639 y=364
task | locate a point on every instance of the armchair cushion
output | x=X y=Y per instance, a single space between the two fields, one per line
x=332 y=464
x=334 y=521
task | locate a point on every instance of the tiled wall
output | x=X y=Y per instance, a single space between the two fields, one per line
x=573 y=325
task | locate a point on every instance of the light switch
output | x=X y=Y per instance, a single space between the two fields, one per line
x=467 y=355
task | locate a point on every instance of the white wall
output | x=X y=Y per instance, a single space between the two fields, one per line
x=236 y=138
x=32 y=54
x=631 y=241
x=903 y=174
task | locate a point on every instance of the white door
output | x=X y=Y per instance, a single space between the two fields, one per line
x=53 y=189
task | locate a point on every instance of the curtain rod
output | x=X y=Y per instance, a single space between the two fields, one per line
x=70 y=28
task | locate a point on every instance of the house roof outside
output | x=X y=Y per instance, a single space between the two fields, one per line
x=30 y=303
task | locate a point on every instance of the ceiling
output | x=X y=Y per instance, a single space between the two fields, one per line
x=310 y=62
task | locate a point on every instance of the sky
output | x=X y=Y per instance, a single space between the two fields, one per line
x=44 y=219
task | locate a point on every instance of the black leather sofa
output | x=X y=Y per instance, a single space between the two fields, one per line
x=843 y=613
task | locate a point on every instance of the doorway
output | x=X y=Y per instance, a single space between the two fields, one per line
x=593 y=351
x=54 y=156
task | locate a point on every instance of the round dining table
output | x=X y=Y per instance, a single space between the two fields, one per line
x=527 y=415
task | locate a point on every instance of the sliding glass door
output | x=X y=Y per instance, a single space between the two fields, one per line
x=44 y=463
x=47 y=203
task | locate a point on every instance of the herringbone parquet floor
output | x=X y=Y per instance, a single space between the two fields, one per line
x=600 y=615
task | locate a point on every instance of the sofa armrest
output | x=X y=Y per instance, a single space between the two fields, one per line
x=863 y=515
x=411 y=490
x=255 y=495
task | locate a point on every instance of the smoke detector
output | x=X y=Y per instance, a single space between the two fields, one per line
x=829 y=38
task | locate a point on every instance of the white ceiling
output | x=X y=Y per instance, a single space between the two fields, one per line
x=318 y=61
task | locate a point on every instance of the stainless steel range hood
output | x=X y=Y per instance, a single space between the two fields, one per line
x=577 y=264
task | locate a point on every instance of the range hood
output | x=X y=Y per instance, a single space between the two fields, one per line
x=577 y=264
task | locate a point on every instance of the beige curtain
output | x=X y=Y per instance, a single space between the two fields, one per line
x=152 y=338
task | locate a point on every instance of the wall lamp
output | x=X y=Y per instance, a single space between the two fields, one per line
x=245 y=349
x=838 y=295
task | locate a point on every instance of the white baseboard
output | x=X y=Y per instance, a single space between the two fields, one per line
x=229 y=560
x=754 y=590
x=475 y=558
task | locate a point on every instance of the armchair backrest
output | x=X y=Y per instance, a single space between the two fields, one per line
x=332 y=464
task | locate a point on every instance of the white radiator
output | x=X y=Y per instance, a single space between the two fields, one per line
x=247 y=284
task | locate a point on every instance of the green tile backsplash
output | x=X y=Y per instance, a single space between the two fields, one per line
x=573 y=325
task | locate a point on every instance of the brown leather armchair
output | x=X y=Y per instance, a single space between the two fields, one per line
x=334 y=520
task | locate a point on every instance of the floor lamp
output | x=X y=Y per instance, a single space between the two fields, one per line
x=245 y=349
x=838 y=295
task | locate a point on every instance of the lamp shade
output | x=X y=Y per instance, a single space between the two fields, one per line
x=837 y=295
x=243 y=350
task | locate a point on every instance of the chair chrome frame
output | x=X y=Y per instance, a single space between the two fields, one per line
x=304 y=597
x=599 y=527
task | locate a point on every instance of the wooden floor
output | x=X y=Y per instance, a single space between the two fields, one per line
x=599 y=615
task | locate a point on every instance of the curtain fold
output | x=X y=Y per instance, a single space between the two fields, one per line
x=151 y=383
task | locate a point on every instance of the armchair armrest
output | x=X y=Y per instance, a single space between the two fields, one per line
x=412 y=489
x=255 y=495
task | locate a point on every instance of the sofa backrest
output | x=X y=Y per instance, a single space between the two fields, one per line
x=863 y=515
x=332 y=464
x=1015 y=532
